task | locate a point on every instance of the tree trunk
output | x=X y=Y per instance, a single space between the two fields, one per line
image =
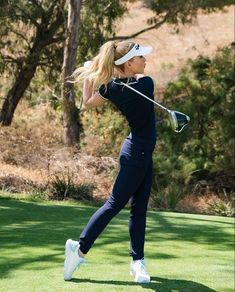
x=15 y=93
x=44 y=37
x=71 y=113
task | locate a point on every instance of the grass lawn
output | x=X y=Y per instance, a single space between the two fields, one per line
x=184 y=252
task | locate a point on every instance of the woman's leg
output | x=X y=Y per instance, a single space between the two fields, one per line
x=128 y=181
x=137 y=221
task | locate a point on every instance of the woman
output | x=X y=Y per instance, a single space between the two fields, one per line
x=121 y=62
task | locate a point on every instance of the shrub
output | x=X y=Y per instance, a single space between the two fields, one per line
x=108 y=126
x=205 y=91
x=168 y=197
x=63 y=186
x=223 y=207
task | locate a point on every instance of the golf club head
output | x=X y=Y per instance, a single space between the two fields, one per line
x=178 y=120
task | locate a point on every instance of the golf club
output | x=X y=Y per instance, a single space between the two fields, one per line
x=178 y=120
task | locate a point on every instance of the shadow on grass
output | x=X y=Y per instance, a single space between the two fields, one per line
x=157 y=284
x=191 y=228
x=42 y=225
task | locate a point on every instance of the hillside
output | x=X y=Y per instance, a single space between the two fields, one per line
x=31 y=150
x=170 y=49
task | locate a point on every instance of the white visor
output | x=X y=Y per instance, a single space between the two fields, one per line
x=137 y=50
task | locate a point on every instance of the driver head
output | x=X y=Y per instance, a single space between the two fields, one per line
x=178 y=121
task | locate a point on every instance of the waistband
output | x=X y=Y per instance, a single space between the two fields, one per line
x=141 y=143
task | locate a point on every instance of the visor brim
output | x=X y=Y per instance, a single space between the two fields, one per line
x=137 y=50
x=143 y=51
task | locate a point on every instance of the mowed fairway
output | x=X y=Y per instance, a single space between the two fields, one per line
x=184 y=252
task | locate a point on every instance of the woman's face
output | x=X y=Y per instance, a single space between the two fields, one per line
x=135 y=66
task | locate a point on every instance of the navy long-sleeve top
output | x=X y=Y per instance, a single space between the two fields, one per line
x=138 y=111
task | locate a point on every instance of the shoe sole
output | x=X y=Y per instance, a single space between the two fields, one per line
x=140 y=280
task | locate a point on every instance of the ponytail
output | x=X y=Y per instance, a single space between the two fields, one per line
x=102 y=66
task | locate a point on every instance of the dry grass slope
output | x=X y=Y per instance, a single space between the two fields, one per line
x=31 y=150
x=171 y=49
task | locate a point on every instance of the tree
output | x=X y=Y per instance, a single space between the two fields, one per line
x=176 y=12
x=97 y=23
x=71 y=118
x=32 y=35
x=39 y=26
x=205 y=149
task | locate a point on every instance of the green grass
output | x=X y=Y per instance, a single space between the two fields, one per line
x=184 y=252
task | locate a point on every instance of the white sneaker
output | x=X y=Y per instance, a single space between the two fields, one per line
x=72 y=259
x=138 y=271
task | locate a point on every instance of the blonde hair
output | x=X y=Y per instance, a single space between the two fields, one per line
x=102 y=67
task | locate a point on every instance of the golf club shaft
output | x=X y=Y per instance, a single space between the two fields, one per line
x=87 y=64
x=145 y=96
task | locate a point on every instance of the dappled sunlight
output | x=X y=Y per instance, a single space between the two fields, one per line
x=157 y=284
x=33 y=236
x=201 y=229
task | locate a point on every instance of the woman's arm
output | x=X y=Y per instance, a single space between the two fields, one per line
x=91 y=99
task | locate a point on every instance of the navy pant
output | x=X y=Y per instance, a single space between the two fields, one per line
x=133 y=183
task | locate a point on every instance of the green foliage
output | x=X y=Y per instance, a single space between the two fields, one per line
x=205 y=91
x=33 y=32
x=219 y=207
x=36 y=194
x=166 y=198
x=225 y=207
x=182 y=11
x=28 y=27
x=97 y=25
x=108 y=126
x=34 y=27
x=62 y=186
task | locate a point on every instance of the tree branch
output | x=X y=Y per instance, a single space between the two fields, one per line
x=10 y=59
x=168 y=16
x=35 y=2
x=26 y=16
x=55 y=25
x=21 y=35
x=138 y=32
x=214 y=102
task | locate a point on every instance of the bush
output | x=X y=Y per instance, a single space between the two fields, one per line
x=166 y=197
x=205 y=91
x=62 y=187
x=109 y=128
x=225 y=206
